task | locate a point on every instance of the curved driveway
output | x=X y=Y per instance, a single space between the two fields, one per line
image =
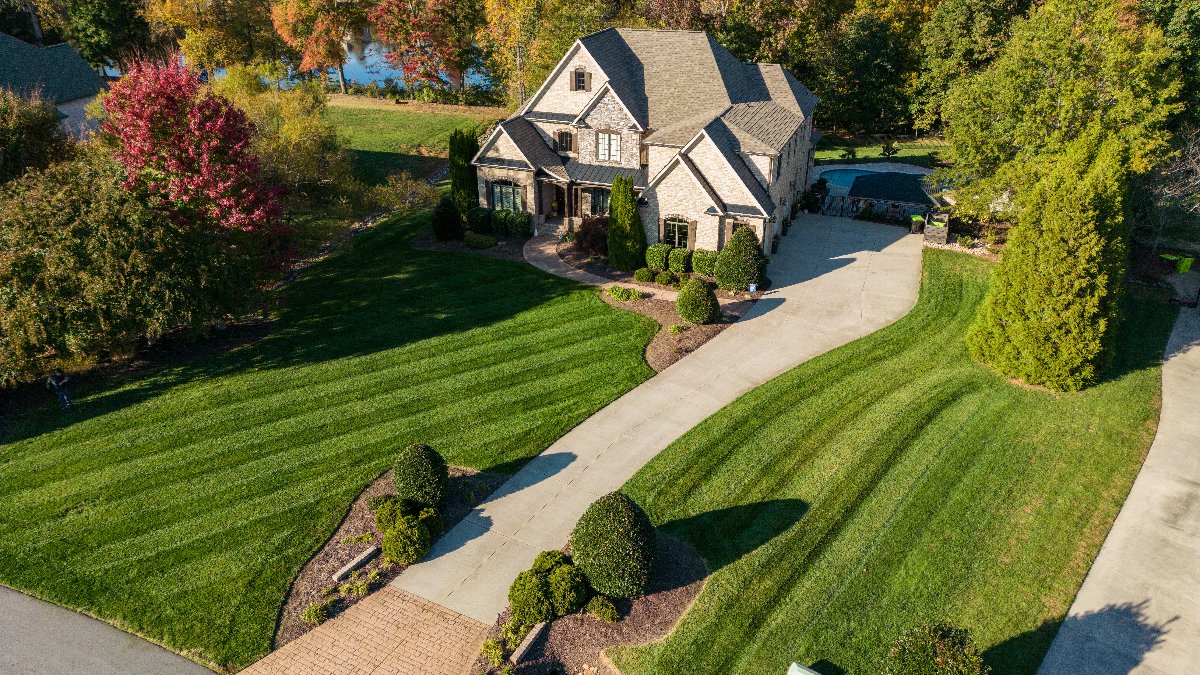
x=835 y=280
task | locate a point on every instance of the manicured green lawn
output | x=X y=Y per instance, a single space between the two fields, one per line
x=180 y=503
x=892 y=482
x=924 y=152
x=385 y=140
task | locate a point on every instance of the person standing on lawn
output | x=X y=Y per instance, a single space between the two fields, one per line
x=57 y=383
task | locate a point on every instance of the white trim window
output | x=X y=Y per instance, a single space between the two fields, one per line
x=675 y=232
x=608 y=146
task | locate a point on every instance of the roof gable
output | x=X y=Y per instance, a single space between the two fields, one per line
x=58 y=72
x=606 y=92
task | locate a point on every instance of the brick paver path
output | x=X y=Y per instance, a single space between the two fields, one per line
x=391 y=632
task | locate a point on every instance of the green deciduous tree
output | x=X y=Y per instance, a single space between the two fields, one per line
x=863 y=78
x=1180 y=23
x=30 y=136
x=1052 y=309
x=626 y=236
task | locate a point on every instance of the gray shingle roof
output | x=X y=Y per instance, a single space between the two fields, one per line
x=891 y=187
x=550 y=117
x=762 y=126
x=59 y=72
x=531 y=144
x=600 y=174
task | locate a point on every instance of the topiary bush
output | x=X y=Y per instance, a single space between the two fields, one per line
x=548 y=561
x=520 y=224
x=432 y=520
x=741 y=262
x=530 y=599
x=478 y=241
x=390 y=510
x=937 y=649
x=643 y=275
x=479 y=219
x=568 y=589
x=615 y=547
x=407 y=541
x=679 y=261
x=664 y=279
x=657 y=257
x=697 y=303
x=447 y=222
x=602 y=608
x=420 y=475
x=704 y=262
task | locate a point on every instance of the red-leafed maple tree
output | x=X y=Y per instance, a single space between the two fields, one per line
x=191 y=149
x=426 y=38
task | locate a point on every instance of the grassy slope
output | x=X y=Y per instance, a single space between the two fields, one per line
x=925 y=152
x=180 y=504
x=384 y=139
x=894 y=481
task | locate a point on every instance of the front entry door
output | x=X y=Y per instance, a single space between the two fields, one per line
x=560 y=201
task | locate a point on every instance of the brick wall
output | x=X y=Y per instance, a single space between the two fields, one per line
x=559 y=98
x=487 y=174
x=609 y=115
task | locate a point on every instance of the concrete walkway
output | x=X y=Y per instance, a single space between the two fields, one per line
x=1138 y=610
x=835 y=280
x=40 y=637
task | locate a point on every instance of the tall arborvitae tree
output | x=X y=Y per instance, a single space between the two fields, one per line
x=626 y=237
x=1050 y=315
x=464 y=185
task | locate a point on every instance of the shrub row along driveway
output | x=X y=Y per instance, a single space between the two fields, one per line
x=179 y=504
x=835 y=280
x=893 y=482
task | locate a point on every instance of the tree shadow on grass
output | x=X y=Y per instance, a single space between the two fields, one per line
x=1146 y=320
x=1112 y=640
x=374 y=166
x=726 y=535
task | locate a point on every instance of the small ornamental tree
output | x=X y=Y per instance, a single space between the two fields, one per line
x=447 y=221
x=420 y=475
x=614 y=545
x=191 y=149
x=697 y=303
x=937 y=649
x=1051 y=313
x=464 y=186
x=741 y=262
x=626 y=237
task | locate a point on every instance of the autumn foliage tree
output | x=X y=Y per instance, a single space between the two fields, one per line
x=426 y=38
x=316 y=29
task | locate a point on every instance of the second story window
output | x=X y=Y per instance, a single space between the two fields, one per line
x=565 y=140
x=608 y=146
x=581 y=80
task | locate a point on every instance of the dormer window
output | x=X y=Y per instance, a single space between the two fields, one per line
x=581 y=80
x=608 y=146
x=565 y=141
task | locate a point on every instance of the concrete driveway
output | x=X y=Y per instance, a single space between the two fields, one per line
x=1138 y=610
x=834 y=280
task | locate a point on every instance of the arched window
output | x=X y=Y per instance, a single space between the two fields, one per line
x=506 y=195
x=675 y=232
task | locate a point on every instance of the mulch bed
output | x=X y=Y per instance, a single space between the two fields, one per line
x=573 y=642
x=506 y=248
x=315 y=582
x=599 y=266
x=667 y=347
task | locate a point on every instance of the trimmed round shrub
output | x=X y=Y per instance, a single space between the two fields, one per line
x=697 y=303
x=479 y=219
x=478 y=241
x=602 y=608
x=529 y=598
x=615 y=547
x=643 y=275
x=704 y=262
x=592 y=237
x=568 y=589
x=420 y=475
x=432 y=520
x=388 y=511
x=407 y=541
x=447 y=223
x=520 y=224
x=665 y=279
x=548 y=561
x=657 y=257
x=741 y=262
x=936 y=649
x=679 y=261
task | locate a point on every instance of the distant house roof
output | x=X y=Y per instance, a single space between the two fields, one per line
x=58 y=72
x=891 y=187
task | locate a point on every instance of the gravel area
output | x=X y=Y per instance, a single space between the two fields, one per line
x=506 y=248
x=356 y=534
x=575 y=643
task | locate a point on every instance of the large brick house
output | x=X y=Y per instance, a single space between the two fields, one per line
x=711 y=143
